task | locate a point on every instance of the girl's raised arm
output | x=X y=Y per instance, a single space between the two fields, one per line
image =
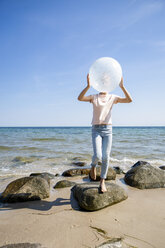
x=82 y=96
x=127 y=97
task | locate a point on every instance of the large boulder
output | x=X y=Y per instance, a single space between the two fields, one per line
x=26 y=189
x=47 y=176
x=111 y=174
x=64 y=184
x=89 y=197
x=142 y=175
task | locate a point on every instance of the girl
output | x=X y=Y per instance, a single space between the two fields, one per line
x=102 y=127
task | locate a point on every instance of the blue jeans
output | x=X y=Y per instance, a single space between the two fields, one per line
x=102 y=142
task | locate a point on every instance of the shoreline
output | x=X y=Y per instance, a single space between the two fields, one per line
x=140 y=219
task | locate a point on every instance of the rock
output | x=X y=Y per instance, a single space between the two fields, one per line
x=57 y=175
x=26 y=189
x=76 y=172
x=139 y=163
x=24 y=160
x=47 y=176
x=63 y=184
x=114 y=243
x=162 y=167
x=118 y=170
x=77 y=158
x=144 y=176
x=42 y=174
x=89 y=198
x=22 y=245
x=111 y=174
x=79 y=163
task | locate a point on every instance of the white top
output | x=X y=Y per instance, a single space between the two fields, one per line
x=102 y=106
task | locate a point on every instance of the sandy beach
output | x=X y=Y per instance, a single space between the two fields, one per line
x=59 y=222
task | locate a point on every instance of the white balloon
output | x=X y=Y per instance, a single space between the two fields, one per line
x=105 y=74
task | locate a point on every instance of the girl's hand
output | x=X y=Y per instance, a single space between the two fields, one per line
x=88 y=81
x=121 y=83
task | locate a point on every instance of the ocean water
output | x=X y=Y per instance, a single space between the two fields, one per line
x=24 y=150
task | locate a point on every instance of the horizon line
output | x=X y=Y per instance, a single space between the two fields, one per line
x=85 y=126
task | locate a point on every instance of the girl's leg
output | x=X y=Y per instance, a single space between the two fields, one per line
x=96 y=141
x=106 y=150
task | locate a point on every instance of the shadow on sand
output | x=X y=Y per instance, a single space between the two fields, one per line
x=42 y=205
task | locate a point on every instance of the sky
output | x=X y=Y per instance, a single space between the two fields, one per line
x=48 y=46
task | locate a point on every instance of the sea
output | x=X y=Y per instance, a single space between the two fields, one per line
x=25 y=150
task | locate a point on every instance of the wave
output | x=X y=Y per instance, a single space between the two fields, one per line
x=22 y=148
x=48 y=139
x=30 y=148
x=6 y=148
x=132 y=161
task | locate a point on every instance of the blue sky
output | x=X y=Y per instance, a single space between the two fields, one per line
x=48 y=46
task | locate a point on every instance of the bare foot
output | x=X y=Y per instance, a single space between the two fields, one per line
x=102 y=186
x=93 y=173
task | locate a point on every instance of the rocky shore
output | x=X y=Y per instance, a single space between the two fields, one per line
x=117 y=218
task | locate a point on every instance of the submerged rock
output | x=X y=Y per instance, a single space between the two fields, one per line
x=142 y=175
x=89 y=197
x=76 y=172
x=111 y=174
x=77 y=158
x=79 y=163
x=26 y=189
x=63 y=184
x=25 y=160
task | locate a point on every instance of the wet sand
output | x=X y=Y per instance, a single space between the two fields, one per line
x=58 y=221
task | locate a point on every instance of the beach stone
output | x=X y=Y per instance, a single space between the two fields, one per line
x=111 y=174
x=90 y=199
x=142 y=175
x=118 y=170
x=22 y=245
x=57 y=175
x=63 y=184
x=162 y=167
x=26 y=189
x=114 y=243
